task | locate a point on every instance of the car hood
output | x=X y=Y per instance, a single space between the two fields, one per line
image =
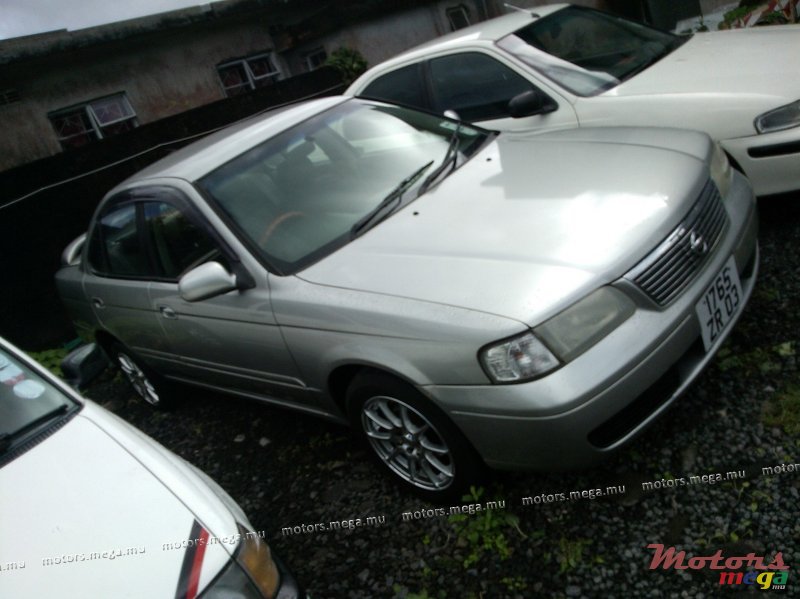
x=755 y=67
x=81 y=491
x=529 y=224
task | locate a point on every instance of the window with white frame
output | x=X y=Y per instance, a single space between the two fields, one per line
x=316 y=58
x=78 y=125
x=458 y=17
x=241 y=76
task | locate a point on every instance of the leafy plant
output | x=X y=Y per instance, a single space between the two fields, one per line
x=784 y=410
x=423 y=594
x=745 y=7
x=730 y=17
x=761 y=359
x=767 y=294
x=570 y=552
x=517 y=583
x=775 y=17
x=349 y=62
x=483 y=531
x=50 y=359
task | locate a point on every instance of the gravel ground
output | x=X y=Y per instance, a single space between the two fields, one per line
x=286 y=470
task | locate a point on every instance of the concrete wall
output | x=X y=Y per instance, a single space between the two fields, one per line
x=382 y=38
x=161 y=73
x=164 y=72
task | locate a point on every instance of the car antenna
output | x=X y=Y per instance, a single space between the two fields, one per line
x=525 y=10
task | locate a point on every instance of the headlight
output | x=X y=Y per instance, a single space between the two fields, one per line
x=781 y=118
x=560 y=339
x=721 y=171
x=252 y=576
x=522 y=358
x=583 y=324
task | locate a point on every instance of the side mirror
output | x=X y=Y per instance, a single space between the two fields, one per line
x=71 y=256
x=207 y=280
x=530 y=103
x=452 y=114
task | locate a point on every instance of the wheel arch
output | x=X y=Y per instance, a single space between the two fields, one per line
x=342 y=376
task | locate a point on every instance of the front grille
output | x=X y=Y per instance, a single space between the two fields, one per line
x=668 y=269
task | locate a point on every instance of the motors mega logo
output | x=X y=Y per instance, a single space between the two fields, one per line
x=730 y=567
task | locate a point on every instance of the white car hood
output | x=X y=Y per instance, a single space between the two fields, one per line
x=81 y=492
x=530 y=224
x=757 y=67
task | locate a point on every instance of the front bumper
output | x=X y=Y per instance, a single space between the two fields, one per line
x=771 y=161
x=604 y=398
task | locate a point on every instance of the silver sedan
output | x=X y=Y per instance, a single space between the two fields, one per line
x=463 y=298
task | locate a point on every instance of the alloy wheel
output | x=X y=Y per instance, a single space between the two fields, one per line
x=408 y=443
x=138 y=379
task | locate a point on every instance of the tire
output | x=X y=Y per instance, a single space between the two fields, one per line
x=148 y=385
x=412 y=438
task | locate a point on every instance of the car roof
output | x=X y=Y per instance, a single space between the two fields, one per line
x=484 y=32
x=201 y=157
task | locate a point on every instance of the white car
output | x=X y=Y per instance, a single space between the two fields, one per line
x=92 y=507
x=568 y=66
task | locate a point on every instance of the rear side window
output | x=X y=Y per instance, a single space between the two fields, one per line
x=476 y=86
x=403 y=86
x=115 y=247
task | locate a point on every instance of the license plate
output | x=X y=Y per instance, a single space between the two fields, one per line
x=720 y=303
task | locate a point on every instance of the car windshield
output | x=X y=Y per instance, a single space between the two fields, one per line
x=587 y=51
x=28 y=401
x=300 y=195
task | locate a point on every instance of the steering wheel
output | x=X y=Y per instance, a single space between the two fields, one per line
x=276 y=223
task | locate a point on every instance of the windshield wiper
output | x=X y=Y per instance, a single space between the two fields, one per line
x=392 y=196
x=6 y=439
x=450 y=159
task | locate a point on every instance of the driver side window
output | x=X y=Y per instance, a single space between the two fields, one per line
x=475 y=85
x=178 y=244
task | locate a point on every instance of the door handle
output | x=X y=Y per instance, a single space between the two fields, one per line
x=167 y=312
x=98 y=302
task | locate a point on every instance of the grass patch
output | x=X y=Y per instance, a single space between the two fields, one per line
x=569 y=553
x=784 y=410
x=50 y=359
x=484 y=531
x=761 y=360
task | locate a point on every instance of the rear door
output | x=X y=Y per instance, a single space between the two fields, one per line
x=118 y=272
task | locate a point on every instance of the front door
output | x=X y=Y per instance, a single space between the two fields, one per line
x=230 y=341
